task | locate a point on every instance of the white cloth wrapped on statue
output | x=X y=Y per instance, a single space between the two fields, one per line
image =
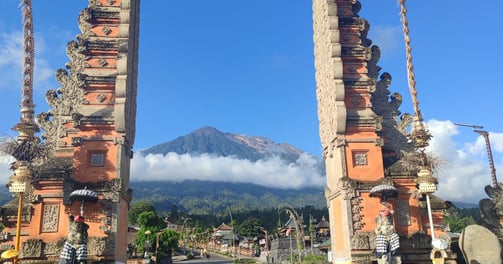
x=387 y=240
x=385 y=244
x=72 y=255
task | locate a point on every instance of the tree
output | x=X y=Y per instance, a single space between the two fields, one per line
x=173 y=214
x=250 y=227
x=150 y=224
x=168 y=242
x=137 y=208
x=458 y=219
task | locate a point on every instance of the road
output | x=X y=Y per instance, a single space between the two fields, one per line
x=214 y=258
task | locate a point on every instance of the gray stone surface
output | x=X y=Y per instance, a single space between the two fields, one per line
x=479 y=245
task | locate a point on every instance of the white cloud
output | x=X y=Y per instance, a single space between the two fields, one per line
x=465 y=170
x=11 y=59
x=5 y=171
x=11 y=63
x=387 y=38
x=273 y=172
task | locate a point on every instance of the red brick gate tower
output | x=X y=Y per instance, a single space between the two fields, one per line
x=365 y=141
x=90 y=129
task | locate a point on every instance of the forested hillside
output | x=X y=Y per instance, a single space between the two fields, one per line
x=206 y=197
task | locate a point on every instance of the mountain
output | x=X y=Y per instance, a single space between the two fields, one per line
x=242 y=184
x=210 y=140
x=464 y=205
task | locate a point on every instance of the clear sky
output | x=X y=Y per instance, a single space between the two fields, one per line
x=247 y=67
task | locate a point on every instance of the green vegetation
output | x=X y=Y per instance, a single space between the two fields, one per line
x=315 y=259
x=458 y=219
x=214 y=198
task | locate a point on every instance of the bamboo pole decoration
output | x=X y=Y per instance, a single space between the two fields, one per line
x=419 y=133
x=27 y=127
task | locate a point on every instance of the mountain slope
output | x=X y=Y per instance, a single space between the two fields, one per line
x=207 y=197
x=210 y=140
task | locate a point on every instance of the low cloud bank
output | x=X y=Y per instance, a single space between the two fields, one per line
x=273 y=172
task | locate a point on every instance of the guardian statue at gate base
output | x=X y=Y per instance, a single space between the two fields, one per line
x=387 y=240
x=75 y=247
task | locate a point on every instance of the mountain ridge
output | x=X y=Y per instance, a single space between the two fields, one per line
x=209 y=140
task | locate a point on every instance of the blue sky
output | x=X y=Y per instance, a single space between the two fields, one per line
x=247 y=67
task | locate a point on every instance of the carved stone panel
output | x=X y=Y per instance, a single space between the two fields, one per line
x=32 y=248
x=360 y=158
x=99 y=246
x=403 y=212
x=50 y=218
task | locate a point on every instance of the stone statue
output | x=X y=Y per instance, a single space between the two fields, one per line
x=481 y=243
x=387 y=240
x=75 y=247
x=491 y=210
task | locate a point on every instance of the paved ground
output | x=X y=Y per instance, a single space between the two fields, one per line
x=180 y=258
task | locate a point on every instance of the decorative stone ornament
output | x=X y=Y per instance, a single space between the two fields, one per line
x=426 y=182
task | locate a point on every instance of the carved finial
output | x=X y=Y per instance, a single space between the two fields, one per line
x=27 y=126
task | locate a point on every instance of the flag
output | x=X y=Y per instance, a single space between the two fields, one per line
x=288 y=231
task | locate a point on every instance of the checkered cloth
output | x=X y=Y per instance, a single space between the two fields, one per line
x=387 y=245
x=71 y=255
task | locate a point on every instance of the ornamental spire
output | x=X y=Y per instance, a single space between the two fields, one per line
x=27 y=126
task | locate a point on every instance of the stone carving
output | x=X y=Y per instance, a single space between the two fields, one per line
x=360 y=158
x=106 y=30
x=330 y=86
x=387 y=240
x=75 y=247
x=356 y=213
x=491 y=210
x=76 y=141
x=4 y=236
x=66 y=100
x=54 y=248
x=95 y=3
x=372 y=67
x=403 y=212
x=84 y=25
x=386 y=106
x=345 y=187
x=362 y=240
x=32 y=248
x=100 y=98
x=99 y=246
x=405 y=121
x=50 y=218
x=480 y=245
x=417 y=240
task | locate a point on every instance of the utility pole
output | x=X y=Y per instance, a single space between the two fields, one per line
x=485 y=135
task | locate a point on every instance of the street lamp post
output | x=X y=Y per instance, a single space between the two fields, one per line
x=266 y=239
x=232 y=235
x=147 y=247
x=157 y=245
x=185 y=232
x=18 y=183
